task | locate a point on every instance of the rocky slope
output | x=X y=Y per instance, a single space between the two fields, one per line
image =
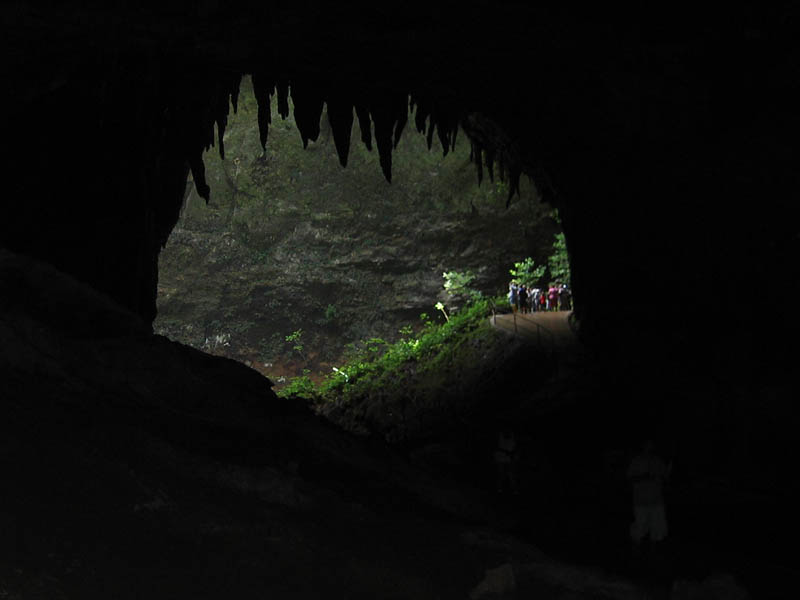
x=292 y=241
x=139 y=468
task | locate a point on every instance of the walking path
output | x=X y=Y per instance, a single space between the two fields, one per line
x=548 y=329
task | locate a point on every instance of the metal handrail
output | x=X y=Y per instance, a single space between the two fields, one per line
x=549 y=335
x=539 y=329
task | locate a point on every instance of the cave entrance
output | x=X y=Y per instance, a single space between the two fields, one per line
x=295 y=262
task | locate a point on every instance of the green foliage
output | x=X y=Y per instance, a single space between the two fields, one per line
x=382 y=364
x=290 y=201
x=295 y=338
x=374 y=347
x=527 y=273
x=457 y=284
x=559 y=261
x=331 y=313
x=301 y=386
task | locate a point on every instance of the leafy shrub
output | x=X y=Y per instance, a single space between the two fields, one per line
x=381 y=363
x=457 y=284
x=301 y=386
x=331 y=313
x=527 y=273
x=296 y=339
x=559 y=260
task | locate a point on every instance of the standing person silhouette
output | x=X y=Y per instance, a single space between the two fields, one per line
x=647 y=474
x=552 y=297
x=522 y=293
x=513 y=298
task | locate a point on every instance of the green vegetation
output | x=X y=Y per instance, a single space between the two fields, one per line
x=295 y=338
x=415 y=360
x=330 y=313
x=527 y=273
x=292 y=240
x=559 y=261
x=301 y=386
x=458 y=285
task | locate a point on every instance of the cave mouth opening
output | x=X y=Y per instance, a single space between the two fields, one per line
x=75 y=231
x=296 y=262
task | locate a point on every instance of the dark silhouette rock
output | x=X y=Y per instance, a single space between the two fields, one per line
x=662 y=136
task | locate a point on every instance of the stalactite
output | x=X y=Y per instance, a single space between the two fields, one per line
x=514 y=174
x=384 y=116
x=208 y=142
x=262 y=89
x=282 y=88
x=308 y=106
x=199 y=174
x=402 y=118
x=222 y=120
x=478 y=160
x=544 y=184
x=490 y=163
x=364 y=124
x=340 y=115
x=444 y=138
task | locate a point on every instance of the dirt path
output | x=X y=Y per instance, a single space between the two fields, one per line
x=551 y=332
x=546 y=328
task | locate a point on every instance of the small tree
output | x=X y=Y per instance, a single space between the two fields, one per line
x=295 y=338
x=559 y=261
x=457 y=284
x=527 y=273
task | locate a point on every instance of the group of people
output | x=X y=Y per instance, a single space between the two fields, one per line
x=525 y=299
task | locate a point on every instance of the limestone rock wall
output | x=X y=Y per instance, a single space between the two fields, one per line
x=291 y=240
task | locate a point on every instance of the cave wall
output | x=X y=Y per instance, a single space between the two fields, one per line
x=660 y=137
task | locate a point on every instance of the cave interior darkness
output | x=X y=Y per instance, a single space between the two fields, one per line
x=663 y=131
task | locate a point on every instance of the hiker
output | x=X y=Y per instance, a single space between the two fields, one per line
x=523 y=299
x=512 y=296
x=647 y=473
x=564 y=298
x=552 y=297
x=542 y=301
x=535 y=299
x=505 y=455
